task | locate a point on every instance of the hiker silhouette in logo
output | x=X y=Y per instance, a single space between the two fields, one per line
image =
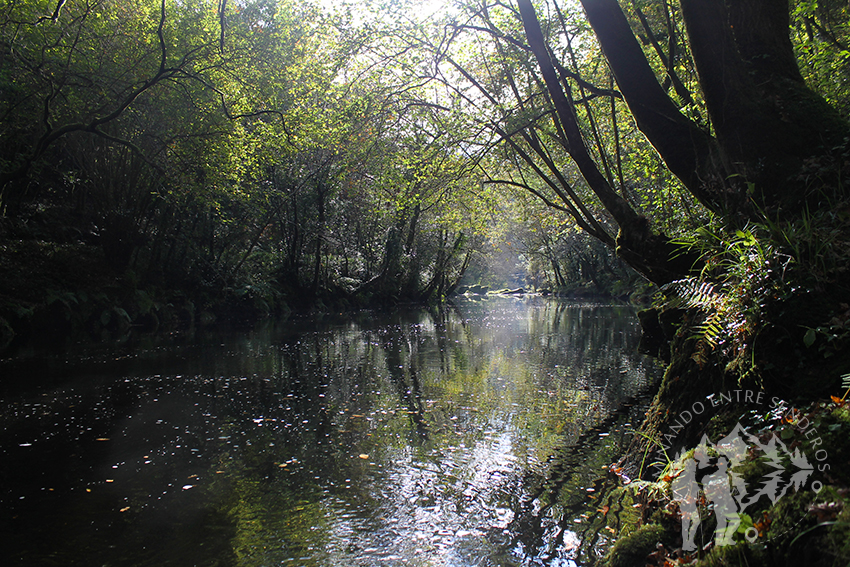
x=713 y=470
x=686 y=493
x=720 y=486
x=718 y=490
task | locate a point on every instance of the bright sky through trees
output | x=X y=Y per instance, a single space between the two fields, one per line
x=416 y=9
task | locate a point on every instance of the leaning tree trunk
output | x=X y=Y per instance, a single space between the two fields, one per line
x=768 y=125
x=651 y=254
x=775 y=153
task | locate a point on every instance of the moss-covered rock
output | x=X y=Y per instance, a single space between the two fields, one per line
x=632 y=550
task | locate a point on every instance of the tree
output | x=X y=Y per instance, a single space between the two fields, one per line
x=82 y=67
x=738 y=143
x=749 y=158
x=554 y=142
x=766 y=122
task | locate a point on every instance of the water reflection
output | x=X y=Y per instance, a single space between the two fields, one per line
x=421 y=438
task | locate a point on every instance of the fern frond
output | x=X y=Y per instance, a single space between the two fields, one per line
x=712 y=329
x=691 y=292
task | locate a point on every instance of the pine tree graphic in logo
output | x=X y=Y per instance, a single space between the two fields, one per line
x=711 y=471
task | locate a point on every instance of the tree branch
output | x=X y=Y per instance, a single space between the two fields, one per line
x=689 y=152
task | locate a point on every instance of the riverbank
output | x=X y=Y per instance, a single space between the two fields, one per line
x=789 y=500
x=752 y=468
x=51 y=293
x=56 y=292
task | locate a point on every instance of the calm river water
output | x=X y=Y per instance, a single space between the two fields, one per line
x=418 y=438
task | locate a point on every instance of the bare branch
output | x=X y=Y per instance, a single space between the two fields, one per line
x=161 y=37
x=54 y=16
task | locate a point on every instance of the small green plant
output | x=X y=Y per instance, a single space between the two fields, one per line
x=651 y=441
x=833 y=335
x=817 y=242
x=702 y=295
x=741 y=274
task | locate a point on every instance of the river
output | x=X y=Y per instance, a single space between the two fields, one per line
x=416 y=438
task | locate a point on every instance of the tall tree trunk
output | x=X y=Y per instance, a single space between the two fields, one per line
x=653 y=255
x=689 y=152
x=767 y=122
x=294 y=244
x=320 y=235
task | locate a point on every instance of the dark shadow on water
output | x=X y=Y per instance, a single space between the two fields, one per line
x=561 y=504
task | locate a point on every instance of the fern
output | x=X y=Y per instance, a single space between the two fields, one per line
x=711 y=329
x=692 y=293
x=695 y=294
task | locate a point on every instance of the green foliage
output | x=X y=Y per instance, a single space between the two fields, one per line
x=282 y=148
x=816 y=240
x=742 y=274
x=821 y=34
x=270 y=149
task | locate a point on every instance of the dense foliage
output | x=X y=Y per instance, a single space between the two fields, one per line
x=250 y=156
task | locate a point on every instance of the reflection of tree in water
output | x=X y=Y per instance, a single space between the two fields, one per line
x=394 y=417
x=400 y=345
x=545 y=521
x=580 y=353
x=333 y=380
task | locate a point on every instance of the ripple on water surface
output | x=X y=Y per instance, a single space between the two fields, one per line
x=417 y=438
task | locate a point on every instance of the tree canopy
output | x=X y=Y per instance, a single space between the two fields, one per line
x=273 y=149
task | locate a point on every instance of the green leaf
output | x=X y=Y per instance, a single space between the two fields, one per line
x=746 y=523
x=809 y=337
